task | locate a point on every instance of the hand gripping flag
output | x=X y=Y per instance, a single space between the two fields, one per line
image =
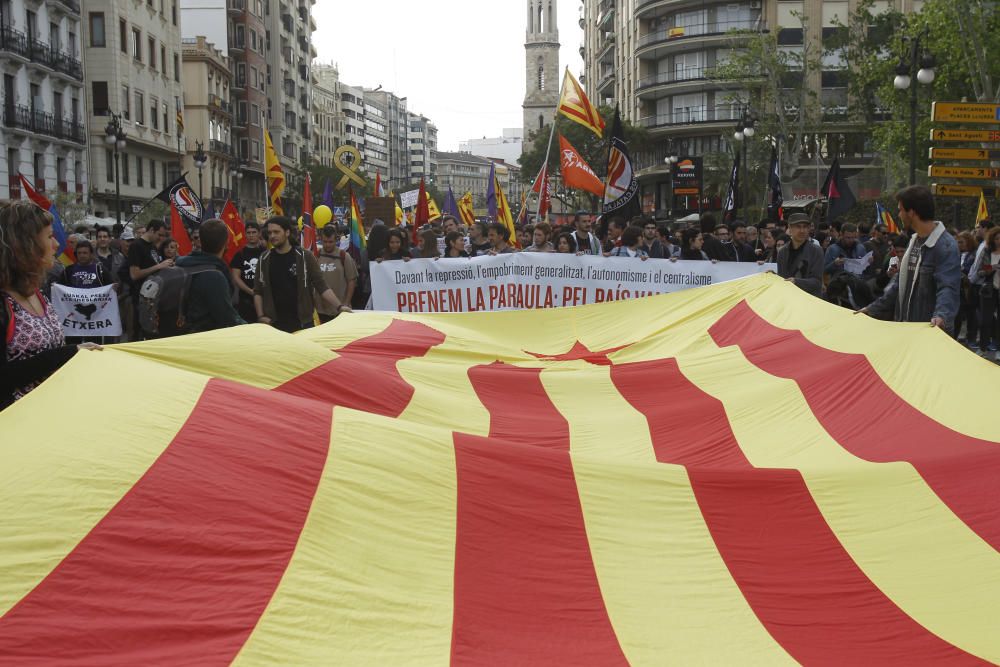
x=776 y=200
x=181 y=196
x=467 y=209
x=621 y=190
x=179 y=232
x=576 y=172
x=454 y=489
x=275 y=175
x=734 y=194
x=574 y=104
x=883 y=217
x=840 y=197
x=237 y=230
x=63 y=253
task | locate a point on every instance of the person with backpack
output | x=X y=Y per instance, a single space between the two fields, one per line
x=286 y=279
x=143 y=261
x=339 y=271
x=206 y=303
x=32 y=345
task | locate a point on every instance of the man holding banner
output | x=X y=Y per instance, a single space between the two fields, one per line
x=85 y=300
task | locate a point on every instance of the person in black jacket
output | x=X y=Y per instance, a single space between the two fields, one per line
x=801 y=261
x=32 y=345
x=208 y=305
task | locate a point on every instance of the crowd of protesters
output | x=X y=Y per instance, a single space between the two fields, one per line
x=927 y=273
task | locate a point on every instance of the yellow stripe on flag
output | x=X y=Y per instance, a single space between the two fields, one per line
x=371 y=581
x=63 y=489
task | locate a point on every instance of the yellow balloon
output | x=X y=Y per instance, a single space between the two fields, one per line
x=322 y=215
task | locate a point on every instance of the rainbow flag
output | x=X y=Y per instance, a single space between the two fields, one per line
x=633 y=502
x=358 y=244
x=64 y=253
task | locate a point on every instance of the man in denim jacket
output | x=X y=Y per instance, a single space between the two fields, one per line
x=926 y=287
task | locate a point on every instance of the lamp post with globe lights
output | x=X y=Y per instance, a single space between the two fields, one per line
x=671 y=161
x=236 y=171
x=745 y=129
x=920 y=66
x=114 y=136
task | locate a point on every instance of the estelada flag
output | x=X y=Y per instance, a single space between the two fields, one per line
x=181 y=196
x=621 y=190
x=574 y=104
x=883 y=217
x=436 y=489
x=467 y=209
x=237 y=230
x=576 y=172
x=499 y=209
x=433 y=212
x=275 y=175
x=179 y=232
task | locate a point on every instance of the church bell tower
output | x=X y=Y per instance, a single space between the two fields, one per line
x=542 y=76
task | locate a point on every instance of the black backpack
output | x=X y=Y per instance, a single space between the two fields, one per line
x=162 y=297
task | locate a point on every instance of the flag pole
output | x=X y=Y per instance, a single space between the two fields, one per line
x=548 y=151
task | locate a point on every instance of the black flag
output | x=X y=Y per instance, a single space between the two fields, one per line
x=840 y=198
x=775 y=205
x=733 y=196
x=621 y=189
x=182 y=195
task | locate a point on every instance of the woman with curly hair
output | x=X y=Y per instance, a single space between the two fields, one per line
x=32 y=346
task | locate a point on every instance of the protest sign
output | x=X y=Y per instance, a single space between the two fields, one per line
x=87 y=312
x=537 y=280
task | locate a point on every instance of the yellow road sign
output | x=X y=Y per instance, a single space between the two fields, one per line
x=962 y=112
x=947 y=190
x=966 y=135
x=963 y=154
x=984 y=173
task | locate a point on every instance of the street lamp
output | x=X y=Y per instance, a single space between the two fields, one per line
x=114 y=136
x=670 y=161
x=200 y=160
x=745 y=130
x=906 y=71
x=236 y=170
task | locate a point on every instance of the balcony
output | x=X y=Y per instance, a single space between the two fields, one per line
x=68 y=65
x=660 y=85
x=22 y=118
x=657 y=44
x=236 y=7
x=72 y=5
x=15 y=43
x=216 y=146
x=649 y=9
x=239 y=83
x=237 y=45
x=606 y=81
x=690 y=116
x=606 y=49
x=221 y=194
x=605 y=20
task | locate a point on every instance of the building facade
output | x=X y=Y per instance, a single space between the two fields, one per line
x=328 y=120
x=542 y=73
x=352 y=108
x=655 y=58
x=288 y=78
x=465 y=172
x=396 y=120
x=208 y=121
x=133 y=71
x=43 y=134
x=507 y=147
x=423 y=148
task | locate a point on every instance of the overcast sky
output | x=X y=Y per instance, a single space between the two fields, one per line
x=459 y=62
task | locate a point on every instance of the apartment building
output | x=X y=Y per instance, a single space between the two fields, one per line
x=423 y=139
x=43 y=134
x=328 y=120
x=288 y=78
x=208 y=121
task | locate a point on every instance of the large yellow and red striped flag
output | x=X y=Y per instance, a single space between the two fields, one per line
x=275 y=175
x=761 y=478
x=575 y=105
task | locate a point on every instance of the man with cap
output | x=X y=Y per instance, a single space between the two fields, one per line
x=801 y=261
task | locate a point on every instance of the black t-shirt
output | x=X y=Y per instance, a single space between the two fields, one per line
x=142 y=255
x=246 y=261
x=285 y=290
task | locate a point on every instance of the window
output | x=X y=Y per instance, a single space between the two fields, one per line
x=99 y=94
x=97 y=37
x=152 y=53
x=163 y=58
x=71 y=42
x=137 y=44
x=165 y=177
x=173 y=13
x=140 y=108
x=177 y=68
x=154 y=113
x=124 y=167
x=166 y=118
x=255 y=150
x=123 y=36
x=110 y=164
x=255 y=114
x=138 y=170
x=152 y=173
x=126 y=103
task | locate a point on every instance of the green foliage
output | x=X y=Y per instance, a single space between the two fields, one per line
x=71 y=212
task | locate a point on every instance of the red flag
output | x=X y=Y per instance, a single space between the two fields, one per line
x=179 y=232
x=308 y=228
x=237 y=230
x=423 y=214
x=378 y=183
x=544 y=190
x=575 y=170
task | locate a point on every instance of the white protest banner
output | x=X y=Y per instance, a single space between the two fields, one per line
x=858 y=266
x=409 y=199
x=537 y=280
x=87 y=312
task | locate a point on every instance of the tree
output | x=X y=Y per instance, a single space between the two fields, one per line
x=785 y=106
x=71 y=211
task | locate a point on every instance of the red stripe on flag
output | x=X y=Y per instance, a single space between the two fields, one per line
x=181 y=569
x=364 y=376
x=526 y=591
x=855 y=406
x=800 y=581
